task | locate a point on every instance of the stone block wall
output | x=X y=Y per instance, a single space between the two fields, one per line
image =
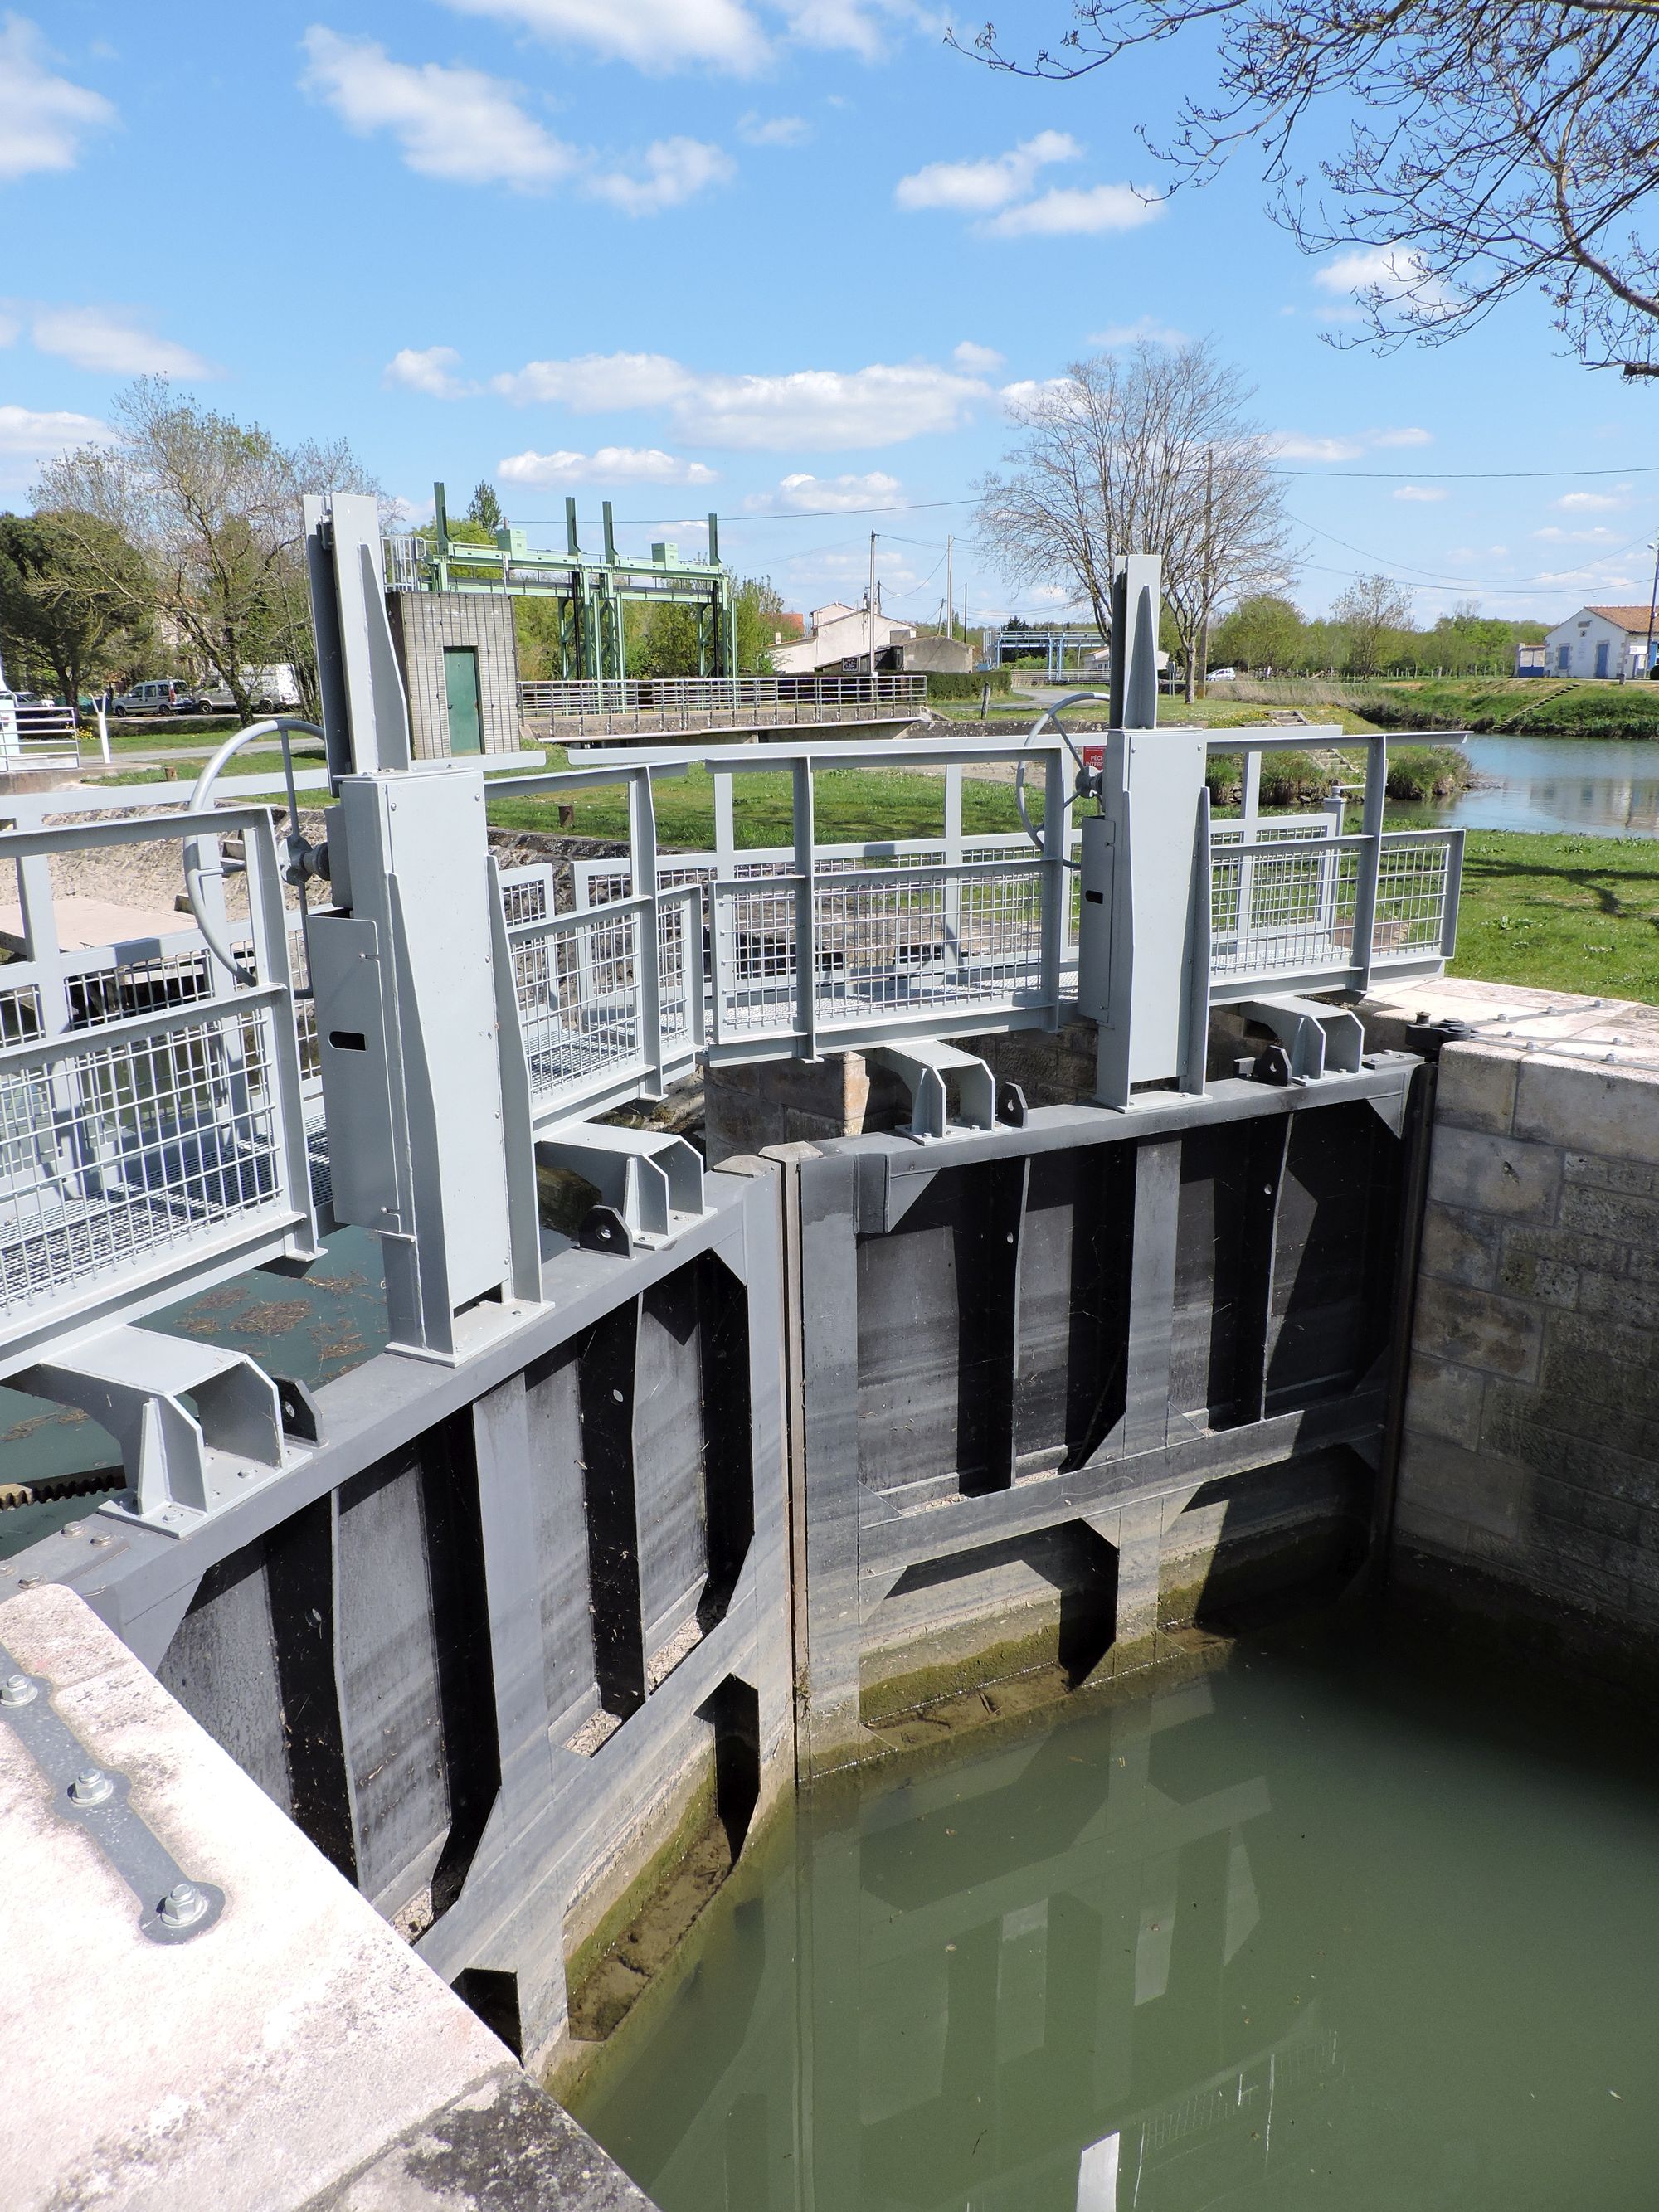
x=1530 y=1477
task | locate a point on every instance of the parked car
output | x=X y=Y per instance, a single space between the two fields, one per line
x=1223 y=676
x=168 y=694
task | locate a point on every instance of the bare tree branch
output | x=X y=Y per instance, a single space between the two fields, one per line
x=1492 y=145
x=1149 y=451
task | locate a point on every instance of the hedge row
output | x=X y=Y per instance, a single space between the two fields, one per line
x=942 y=685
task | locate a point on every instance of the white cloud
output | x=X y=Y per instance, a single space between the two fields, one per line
x=609 y=465
x=1070 y=211
x=654 y=35
x=801 y=494
x=773 y=130
x=677 y=170
x=456 y=124
x=1600 y=535
x=111 y=343
x=429 y=369
x=820 y=409
x=595 y=382
x=977 y=359
x=1594 y=502
x=1295 y=445
x=10 y=329
x=827 y=409
x=980 y=187
x=657 y=36
x=29 y=437
x=466 y=128
x=1422 y=492
x=1145 y=330
x=43 y=118
x=1303 y=446
x=1380 y=276
x=1021 y=392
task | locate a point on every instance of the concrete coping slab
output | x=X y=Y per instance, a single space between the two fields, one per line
x=283 y=2049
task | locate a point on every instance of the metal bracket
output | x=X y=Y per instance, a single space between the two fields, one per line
x=182 y=1466
x=171 y=1908
x=651 y=1180
x=1314 y=1036
x=922 y=1065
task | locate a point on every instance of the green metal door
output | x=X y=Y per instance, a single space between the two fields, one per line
x=461 y=690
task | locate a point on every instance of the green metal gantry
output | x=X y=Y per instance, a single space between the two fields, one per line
x=592 y=589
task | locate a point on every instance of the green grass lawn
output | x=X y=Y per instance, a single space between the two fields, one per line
x=848 y=803
x=1564 y=913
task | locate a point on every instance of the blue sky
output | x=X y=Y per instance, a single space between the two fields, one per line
x=780 y=257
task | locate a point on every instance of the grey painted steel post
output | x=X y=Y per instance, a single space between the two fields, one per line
x=806 y=919
x=1370 y=862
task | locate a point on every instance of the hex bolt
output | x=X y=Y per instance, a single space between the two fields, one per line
x=91 y=1786
x=183 y=1905
x=17 y=1689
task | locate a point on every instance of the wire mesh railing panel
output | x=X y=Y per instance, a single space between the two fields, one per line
x=577 y=986
x=1413 y=881
x=527 y=894
x=1271 y=832
x=758 y=980
x=115 y=1148
x=1283 y=913
x=20 y=1013
x=681 y=976
x=941 y=941
x=888 y=942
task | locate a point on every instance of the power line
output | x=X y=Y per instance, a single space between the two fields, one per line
x=1293 y=476
x=1434 y=576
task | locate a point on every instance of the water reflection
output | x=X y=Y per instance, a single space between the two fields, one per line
x=1243 y=1944
x=1610 y=790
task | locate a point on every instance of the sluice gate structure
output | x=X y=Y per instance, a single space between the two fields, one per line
x=626 y=1530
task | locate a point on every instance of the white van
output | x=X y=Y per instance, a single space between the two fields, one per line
x=275 y=687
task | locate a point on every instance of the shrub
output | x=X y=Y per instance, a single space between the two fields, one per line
x=943 y=684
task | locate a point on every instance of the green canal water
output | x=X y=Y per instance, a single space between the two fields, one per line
x=1338 y=1927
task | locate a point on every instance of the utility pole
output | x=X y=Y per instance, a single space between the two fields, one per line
x=949 y=587
x=1653 y=604
x=1204 y=613
x=870 y=607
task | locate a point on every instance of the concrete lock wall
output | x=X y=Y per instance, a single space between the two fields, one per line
x=1529 y=1482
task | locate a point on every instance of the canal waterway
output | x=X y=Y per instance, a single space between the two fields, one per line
x=1333 y=1928
x=1609 y=790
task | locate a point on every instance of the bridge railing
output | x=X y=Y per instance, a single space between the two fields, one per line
x=152 y=1107
x=37 y=733
x=672 y=694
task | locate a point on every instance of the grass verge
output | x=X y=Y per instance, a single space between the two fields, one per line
x=1562 y=913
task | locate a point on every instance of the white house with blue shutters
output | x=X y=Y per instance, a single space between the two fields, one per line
x=1609 y=642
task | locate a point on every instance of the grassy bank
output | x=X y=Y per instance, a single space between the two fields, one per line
x=1563 y=913
x=1540 y=707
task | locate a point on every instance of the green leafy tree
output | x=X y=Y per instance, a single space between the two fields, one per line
x=62 y=618
x=1262 y=632
x=760 y=610
x=1373 y=610
x=486 y=511
x=214 y=508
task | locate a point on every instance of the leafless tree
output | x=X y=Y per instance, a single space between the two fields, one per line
x=214 y=508
x=1373 y=610
x=1490 y=145
x=1147 y=451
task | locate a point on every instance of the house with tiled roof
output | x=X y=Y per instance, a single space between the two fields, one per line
x=1612 y=642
